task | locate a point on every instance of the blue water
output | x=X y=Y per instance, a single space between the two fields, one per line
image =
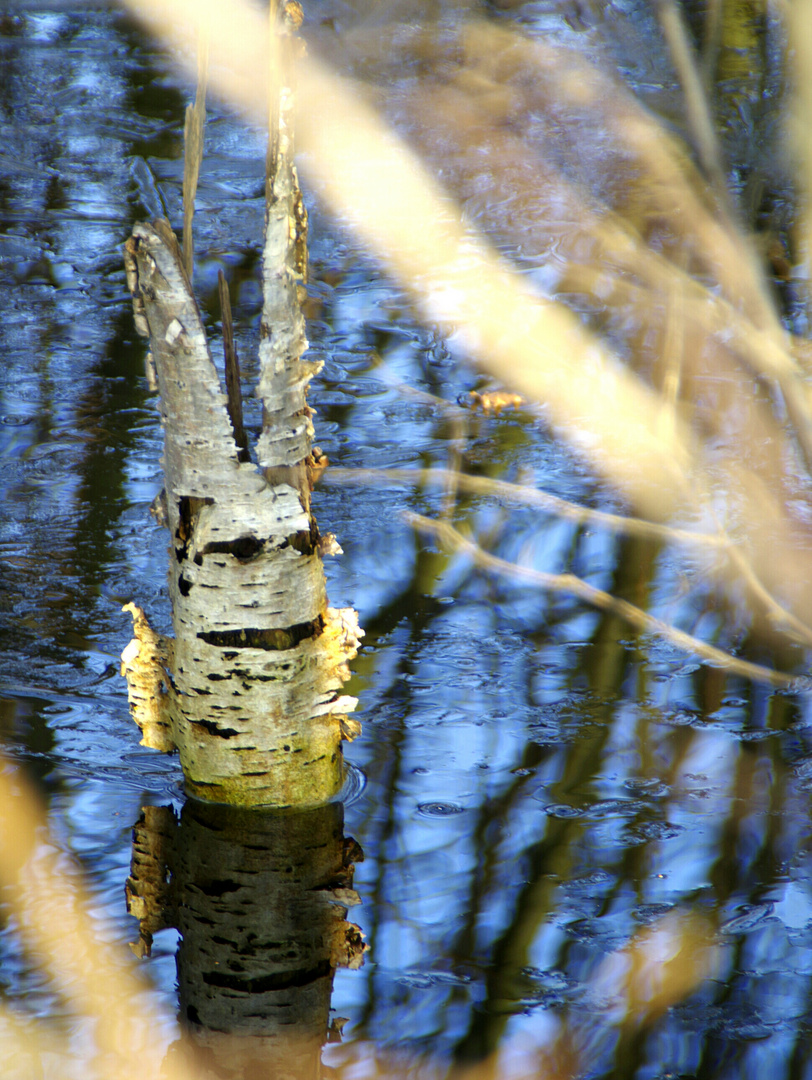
x=534 y=783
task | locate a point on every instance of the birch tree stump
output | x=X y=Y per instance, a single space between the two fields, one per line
x=249 y=690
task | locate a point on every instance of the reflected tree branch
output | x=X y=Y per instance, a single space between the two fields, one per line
x=571 y=585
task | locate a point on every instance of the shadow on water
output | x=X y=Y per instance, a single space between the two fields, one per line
x=551 y=797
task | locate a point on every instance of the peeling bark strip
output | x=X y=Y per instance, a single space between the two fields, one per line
x=249 y=691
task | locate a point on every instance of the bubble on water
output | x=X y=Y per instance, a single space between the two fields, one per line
x=423 y=980
x=643 y=831
x=439 y=809
x=562 y=810
x=647 y=913
x=650 y=787
x=750 y=916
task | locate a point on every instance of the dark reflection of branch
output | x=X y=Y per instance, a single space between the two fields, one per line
x=106 y=392
x=70 y=370
x=750 y=869
x=421 y=612
x=634 y=568
x=114 y=394
x=492 y=821
x=798 y=1059
x=379 y=842
x=746 y=870
x=544 y=862
x=260 y=900
x=543 y=865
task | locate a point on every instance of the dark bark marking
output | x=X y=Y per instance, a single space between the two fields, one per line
x=244 y=548
x=282 y=980
x=272 y=640
x=213 y=729
x=218 y=888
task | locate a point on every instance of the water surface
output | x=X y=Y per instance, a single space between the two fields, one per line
x=535 y=783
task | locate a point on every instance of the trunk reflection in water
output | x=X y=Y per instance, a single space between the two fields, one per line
x=259 y=899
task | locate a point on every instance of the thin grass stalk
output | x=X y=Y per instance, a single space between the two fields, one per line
x=697 y=105
x=800 y=32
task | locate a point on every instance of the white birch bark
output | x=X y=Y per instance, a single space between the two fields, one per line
x=252 y=698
